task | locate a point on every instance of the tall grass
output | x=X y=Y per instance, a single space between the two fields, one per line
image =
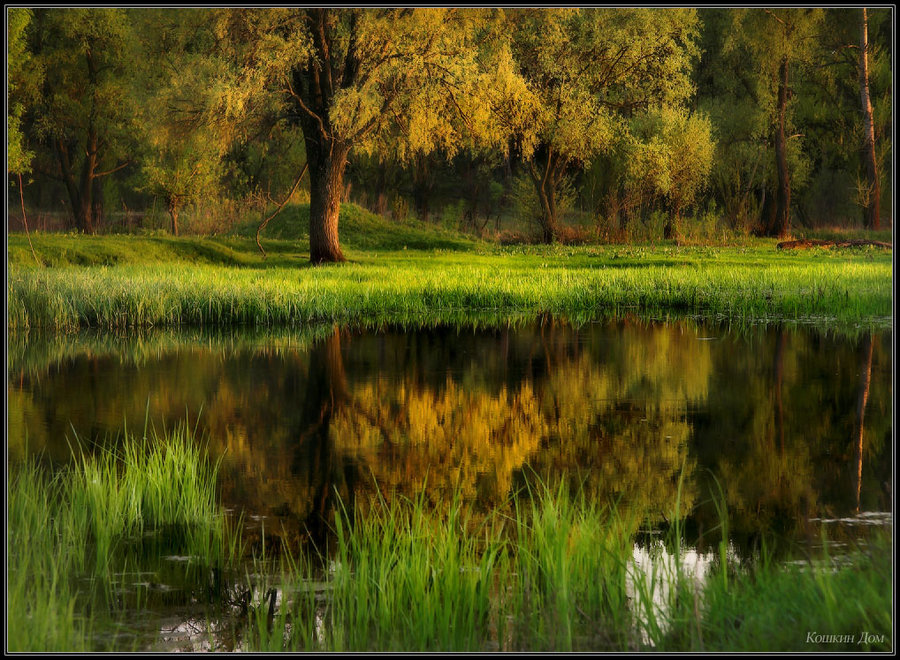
x=74 y=523
x=739 y=284
x=553 y=573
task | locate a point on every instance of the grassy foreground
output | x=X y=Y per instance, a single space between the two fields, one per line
x=75 y=527
x=551 y=572
x=118 y=281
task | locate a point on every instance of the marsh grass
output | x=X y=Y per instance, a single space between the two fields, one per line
x=553 y=572
x=69 y=531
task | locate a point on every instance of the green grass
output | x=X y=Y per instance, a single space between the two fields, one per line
x=818 y=606
x=553 y=574
x=77 y=522
x=224 y=281
x=551 y=571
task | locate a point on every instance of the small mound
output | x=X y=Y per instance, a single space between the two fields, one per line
x=360 y=229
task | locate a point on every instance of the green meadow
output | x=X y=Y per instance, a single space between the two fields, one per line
x=414 y=272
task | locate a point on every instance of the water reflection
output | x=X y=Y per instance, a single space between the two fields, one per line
x=794 y=426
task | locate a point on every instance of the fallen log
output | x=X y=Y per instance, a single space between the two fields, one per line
x=806 y=243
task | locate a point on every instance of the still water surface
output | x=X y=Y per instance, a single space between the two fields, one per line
x=793 y=425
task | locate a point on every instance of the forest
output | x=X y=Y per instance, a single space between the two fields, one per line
x=517 y=125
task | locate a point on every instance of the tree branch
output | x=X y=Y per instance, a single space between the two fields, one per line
x=263 y=224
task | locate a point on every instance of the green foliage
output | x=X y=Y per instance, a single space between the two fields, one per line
x=20 y=84
x=669 y=155
x=74 y=524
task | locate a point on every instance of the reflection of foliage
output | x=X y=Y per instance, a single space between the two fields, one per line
x=441 y=439
x=625 y=408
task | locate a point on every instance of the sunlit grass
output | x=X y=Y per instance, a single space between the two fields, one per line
x=733 y=284
x=550 y=571
x=409 y=271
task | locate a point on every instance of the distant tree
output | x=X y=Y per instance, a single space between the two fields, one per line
x=670 y=155
x=586 y=72
x=773 y=42
x=873 y=198
x=182 y=159
x=82 y=123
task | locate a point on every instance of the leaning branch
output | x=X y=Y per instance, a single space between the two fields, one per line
x=263 y=224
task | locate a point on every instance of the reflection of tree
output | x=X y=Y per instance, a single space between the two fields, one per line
x=775 y=433
x=621 y=406
x=865 y=378
x=617 y=419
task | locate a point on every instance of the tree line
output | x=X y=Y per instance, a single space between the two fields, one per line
x=756 y=115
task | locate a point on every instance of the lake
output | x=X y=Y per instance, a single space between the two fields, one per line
x=788 y=427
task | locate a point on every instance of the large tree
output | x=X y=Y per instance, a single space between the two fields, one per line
x=587 y=71
x=361 y=79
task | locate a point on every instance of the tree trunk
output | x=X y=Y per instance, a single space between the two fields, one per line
x=172 y=204
x=423 y=183
x=326 y=184
x=873 y=199
x=545 y=186
x=780 y=225
x=313 y=88
x=776 y=208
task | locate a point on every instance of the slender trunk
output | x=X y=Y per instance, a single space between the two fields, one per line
x=172 y=203
x=865 y=379
x=545 y=187
x=781 y=225
x=25 y=221
x=670 y=231
x=873 y=199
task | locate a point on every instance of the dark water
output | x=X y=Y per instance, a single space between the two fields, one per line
x=628 y=409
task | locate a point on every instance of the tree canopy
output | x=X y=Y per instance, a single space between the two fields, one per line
x=612 y=115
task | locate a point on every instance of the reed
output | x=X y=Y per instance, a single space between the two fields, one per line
x=554 y=572
x=70 y=529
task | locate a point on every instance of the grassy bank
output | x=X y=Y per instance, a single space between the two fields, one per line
x=117 y=281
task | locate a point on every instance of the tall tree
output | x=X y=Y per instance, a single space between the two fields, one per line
x=354 y=78
x=871 y=160
x=777 y=42
x=183 y=155
x=587 y=71
x=84 y=116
